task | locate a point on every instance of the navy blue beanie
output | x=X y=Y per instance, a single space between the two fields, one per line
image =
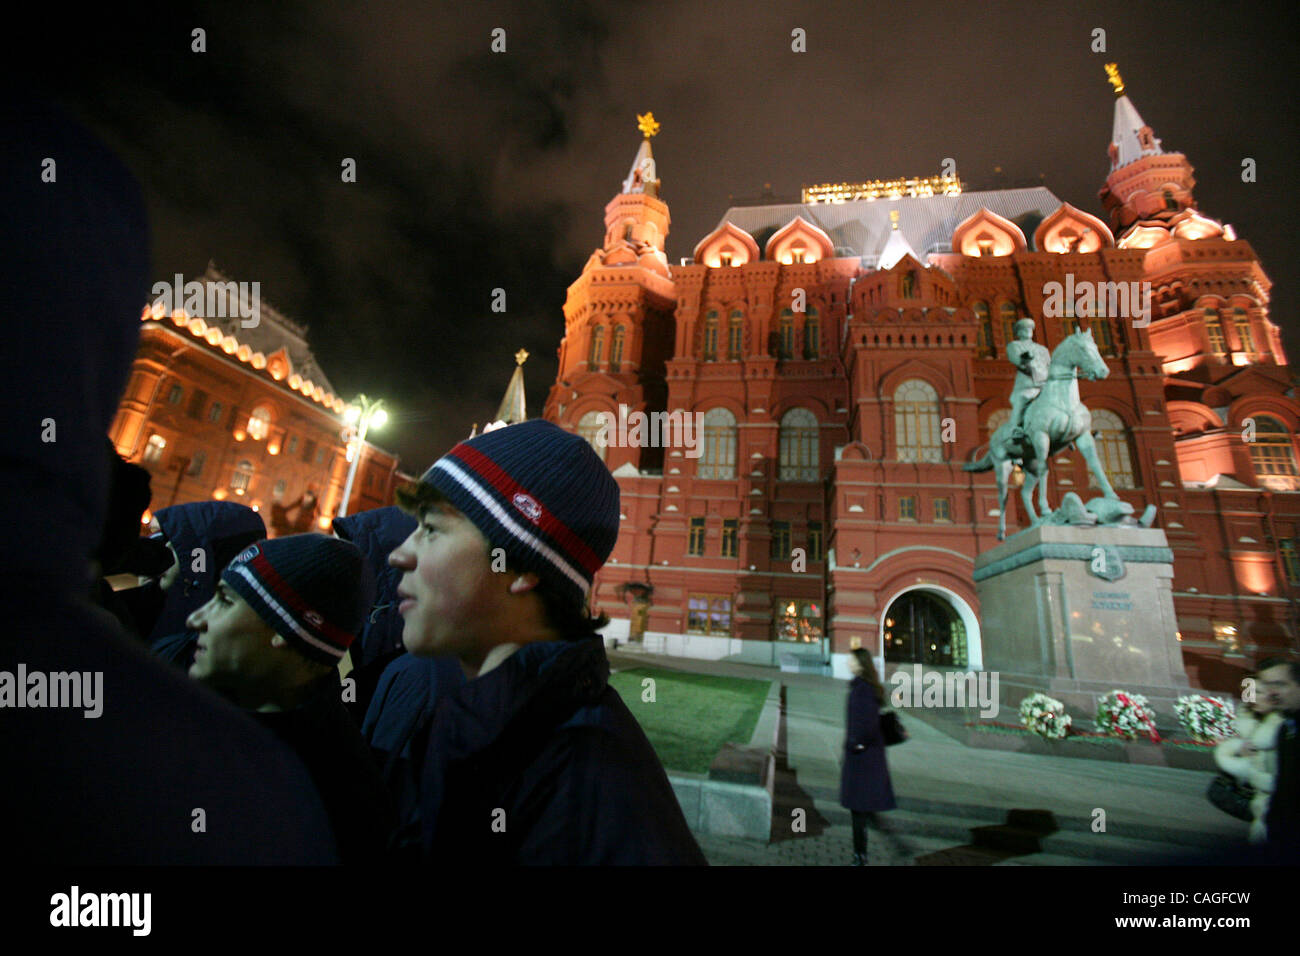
x=539 y=493
x=307 y=587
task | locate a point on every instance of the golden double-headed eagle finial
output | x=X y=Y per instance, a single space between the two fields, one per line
x=521 y=357
x=1113 y=78
x=646 y=123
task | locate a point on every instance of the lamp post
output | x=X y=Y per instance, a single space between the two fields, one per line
x=362 y=413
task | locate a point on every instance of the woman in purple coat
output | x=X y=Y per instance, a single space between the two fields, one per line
x=864 y=780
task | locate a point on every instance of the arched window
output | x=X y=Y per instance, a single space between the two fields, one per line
x=1103 y=335
x=592 y=429
x=1214 y=332
x=710 y=343
x=616 y=349
x=1272 y=452
x=785 y=341
x=812 y=335
x=597 y=345
x=1008 y=312
x=736 y=336
x=242 y=477
x=718 y=456
x=153 y=448
x=1170 y=201
x=1112 y=449
x=799 y=446
x=998 y=419
x=916 y=422
x=1244 y=336
x=259 y=423
x=988 y=348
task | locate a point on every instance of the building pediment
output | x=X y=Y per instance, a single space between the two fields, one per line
x=985 y=233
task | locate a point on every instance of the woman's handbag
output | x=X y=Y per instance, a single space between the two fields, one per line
x=891 y=728
x=1230 y=796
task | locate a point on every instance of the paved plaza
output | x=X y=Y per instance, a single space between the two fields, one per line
x=960 y=805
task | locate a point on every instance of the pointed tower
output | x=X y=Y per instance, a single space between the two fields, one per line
x=1145 y=181
x=619 y=327
x=513 y=406
x=896 y=247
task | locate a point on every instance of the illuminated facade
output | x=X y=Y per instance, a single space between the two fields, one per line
x=846 y=356
x=216 y=410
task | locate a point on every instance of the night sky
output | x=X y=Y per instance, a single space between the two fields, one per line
x=479 y=170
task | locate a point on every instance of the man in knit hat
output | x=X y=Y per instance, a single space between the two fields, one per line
x=535 y=760
x=270 y=640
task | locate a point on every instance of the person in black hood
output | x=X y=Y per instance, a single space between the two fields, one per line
x=157 y=771
x=536 y=759
x=204 y=536
x=201 y=538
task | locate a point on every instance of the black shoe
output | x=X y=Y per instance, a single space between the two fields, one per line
x=859 y=859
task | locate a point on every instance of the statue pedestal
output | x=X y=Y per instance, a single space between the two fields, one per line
x=1077 y=612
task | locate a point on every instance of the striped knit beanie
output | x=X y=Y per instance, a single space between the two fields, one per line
x=307 y=587
x=542 y=495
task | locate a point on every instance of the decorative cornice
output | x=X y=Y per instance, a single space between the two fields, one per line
x=1062 y=551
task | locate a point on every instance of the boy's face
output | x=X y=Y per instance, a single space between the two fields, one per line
x=235 y=645
x=450 y=599
x=1279 y=689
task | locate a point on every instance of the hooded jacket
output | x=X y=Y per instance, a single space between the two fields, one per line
x=376 y=533
x=396 y=728
x=138 y=766
x=539 y=762
x=220 y=530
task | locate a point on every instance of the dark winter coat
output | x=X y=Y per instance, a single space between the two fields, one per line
x=1282 y=821
x=397 y=726
x=323 y=734
x=864 y=779
x=539 y=762
x=177 y=649
x=376 y=533
x=167 y=773
x=221 y=529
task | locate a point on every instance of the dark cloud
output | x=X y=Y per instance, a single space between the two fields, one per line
x=479 y=170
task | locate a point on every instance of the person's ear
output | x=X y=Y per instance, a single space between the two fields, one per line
x=525 y=582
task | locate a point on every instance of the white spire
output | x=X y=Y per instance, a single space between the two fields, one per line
x=1127 y=135
x=895 y=248
x=641 y=177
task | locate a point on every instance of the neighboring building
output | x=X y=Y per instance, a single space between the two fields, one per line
x=216 y=410
x=848 y=354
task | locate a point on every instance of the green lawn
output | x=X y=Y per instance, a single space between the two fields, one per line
x=692 y=715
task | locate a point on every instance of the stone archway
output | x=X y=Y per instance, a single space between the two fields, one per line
x=923 y=614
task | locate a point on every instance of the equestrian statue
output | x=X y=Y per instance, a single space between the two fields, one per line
x=1047 y=417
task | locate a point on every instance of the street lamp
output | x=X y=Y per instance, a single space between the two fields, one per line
x=362 y=414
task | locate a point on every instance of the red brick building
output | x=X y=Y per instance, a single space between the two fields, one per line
x=217 y=410
x=848 y=354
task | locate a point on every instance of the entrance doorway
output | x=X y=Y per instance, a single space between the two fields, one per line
x=923 y=628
